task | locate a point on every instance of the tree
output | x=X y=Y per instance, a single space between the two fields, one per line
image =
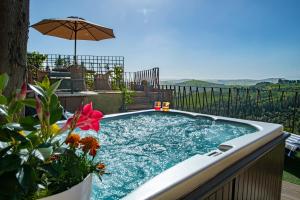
x=14 y=22
x=35 y=60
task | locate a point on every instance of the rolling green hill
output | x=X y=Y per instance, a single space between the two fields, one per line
x=198 y=83
x=244 y=82
x=267 y=84
x=272 y=86
x=191 y=82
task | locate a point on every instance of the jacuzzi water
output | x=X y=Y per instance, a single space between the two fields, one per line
x=137 y=147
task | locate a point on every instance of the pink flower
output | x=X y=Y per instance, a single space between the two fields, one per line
x=86 y=119
x=38 y=108
x=22 y=94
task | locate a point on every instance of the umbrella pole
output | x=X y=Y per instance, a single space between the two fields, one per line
x=75 y=47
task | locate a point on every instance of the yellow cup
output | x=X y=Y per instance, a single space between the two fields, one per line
x=166 y=106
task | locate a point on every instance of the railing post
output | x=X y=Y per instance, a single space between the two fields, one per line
x=157 y=74
x=198 y=102
x=159 y=94
x=179 y=98
x=204 y=100
x=294 y=111
x=257 y=102
x=228 y=103
x=219 y=102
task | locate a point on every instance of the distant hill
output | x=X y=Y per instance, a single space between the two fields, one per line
x=283 y=86
x=244 y=82
x=173 y=82
x=191 y=82
x=198 y=83
x=219 y=83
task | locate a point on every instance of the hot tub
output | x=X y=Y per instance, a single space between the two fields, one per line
x=170 y=155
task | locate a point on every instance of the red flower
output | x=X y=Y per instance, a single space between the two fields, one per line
x=86 y=119
x=89 y=144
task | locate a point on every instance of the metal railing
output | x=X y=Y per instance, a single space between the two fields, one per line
x=98 y=64
x=96 y=71
x=149 y=76
x=82 y=75
x=276 y=106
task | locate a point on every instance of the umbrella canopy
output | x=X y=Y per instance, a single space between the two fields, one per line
x=73 y=28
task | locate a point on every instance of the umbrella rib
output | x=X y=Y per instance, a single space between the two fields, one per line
x=112 y=35
x=71 y=35
x=42 y=23
x=69 y=27
x=84 y=27
x=60 y=24
x=91 y=34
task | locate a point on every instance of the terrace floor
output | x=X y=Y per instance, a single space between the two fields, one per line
x=290 y=191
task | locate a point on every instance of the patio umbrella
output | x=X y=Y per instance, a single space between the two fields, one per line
x=73 y=28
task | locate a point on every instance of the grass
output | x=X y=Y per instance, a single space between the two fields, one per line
x=291 y=171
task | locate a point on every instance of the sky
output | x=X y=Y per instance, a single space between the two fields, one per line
x=186 y=39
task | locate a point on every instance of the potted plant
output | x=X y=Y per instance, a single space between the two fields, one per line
x=35 y=64
x=62 y=64
x=33 y=162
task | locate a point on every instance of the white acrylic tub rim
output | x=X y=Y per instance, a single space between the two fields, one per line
x=191 y=173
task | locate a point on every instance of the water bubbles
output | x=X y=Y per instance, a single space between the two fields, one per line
x=136 y=148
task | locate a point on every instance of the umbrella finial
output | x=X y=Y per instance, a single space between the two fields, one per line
x=75 y=17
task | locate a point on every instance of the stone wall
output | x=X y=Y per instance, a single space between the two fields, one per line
x=107 y=101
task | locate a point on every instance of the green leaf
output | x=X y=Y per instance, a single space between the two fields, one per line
x=49 y=169
x=56 y=109
x=29 y=123
x=10 y=188
x=6 y=135
x=3 y=100
x=27 y=178
x=29 y=102
x=46 y=151
x=46 y=83
x=37 y=154
x=13 y=126
x=56 y=115
x=53 y=87
x=19 y=137
x=54 y=101
x=45 y=145
x=9 y=163
x=15 y=107
x=37 y=89
x=3 y=81
x=4 y=150
x=34 y=138
x=3 y=110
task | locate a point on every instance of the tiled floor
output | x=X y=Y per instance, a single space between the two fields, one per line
x=290 y=191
